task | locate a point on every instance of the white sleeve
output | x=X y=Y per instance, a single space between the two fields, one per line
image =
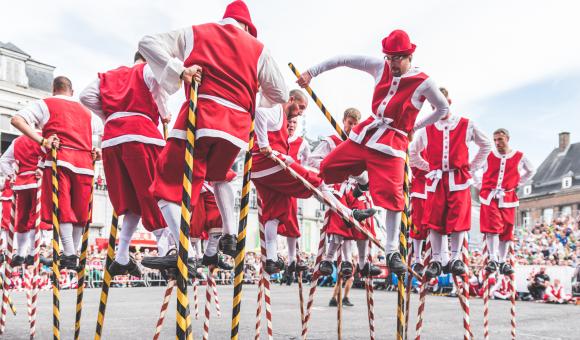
x=97 y=128
x=91 y=98
x=304 y=152
x=484 y=144
x=437 y=99
x=159 y=94
x=266 y=118
x=7 y=161
x=419 y=144
x=526 y=170
x=318 y=154
x=165 y=53
x=272 y=85
x=371 y=65
x=35 y=114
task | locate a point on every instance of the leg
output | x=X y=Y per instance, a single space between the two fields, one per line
x=130 y=222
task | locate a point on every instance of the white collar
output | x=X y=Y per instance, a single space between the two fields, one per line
x=61 y=96
x=230 y=21
x=507 y=155
x=450 y=122
x=293 y=138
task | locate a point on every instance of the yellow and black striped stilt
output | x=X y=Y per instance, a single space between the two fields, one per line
x=55 y=250
x=183 y=318
x=405 y=223
x=321 y=106
x=107 y=276
x=83 y=263
x=241 y=244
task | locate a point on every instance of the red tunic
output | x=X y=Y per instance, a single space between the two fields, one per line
x=294 y=145
x=501 y=179
x=27 y=153
x=6 y=199
x=206 y=217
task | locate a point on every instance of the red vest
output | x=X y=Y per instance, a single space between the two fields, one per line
x=501 y=178
x=334 y=141
x=278 y=142
x=418 y=183
x=71 y=122
x=129 y=106
x=395 y=106
x=294 y=147
x=447 y=153
x=7 y=191
x=229 y=58
x=27 y=153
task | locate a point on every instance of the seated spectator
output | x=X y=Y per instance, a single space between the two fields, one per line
x=555 y=294
x=538 y=282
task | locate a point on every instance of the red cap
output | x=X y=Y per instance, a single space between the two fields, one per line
x=398 y=43
x=239 y=11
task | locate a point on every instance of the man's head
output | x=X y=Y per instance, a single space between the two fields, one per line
x=238 y=11
x=542 y=269
x=61 y=85
x=138 y=58
x=398 y=51
x=501 y=138
x=292 y=125
x=296 y=104
x=446 y=95
x=350 y=119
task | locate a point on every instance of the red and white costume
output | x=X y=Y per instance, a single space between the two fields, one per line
x=298 y=149
x=130 y=102
x=418 y=198
x=502 y=174
x=335 y=225
x=446 y=145
x=6 y=198
x=557 y=295
x=205 y=218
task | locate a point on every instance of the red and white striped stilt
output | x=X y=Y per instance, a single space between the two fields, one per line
x=300 y=289
x=314 y=281
x=163 y=310
x=216 y=301
x=259 y=305
x=463 y=292
x=423 y=291
x=485 y=288
x=36 y=255
x=27 y=283
x=408 y=286
x=207 y=309
x=339 y=296
x=195 y=300
x=512 y=287
x=264 y=277
x=7 y=265
x=370 y=297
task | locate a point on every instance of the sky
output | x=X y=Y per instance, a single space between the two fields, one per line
x=511 y=64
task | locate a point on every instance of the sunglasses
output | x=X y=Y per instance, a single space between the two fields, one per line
x=395 y=57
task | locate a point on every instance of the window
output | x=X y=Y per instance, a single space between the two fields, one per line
x=527 y=218
x=566 y=182
x=548 y=215
x=566 y=211
x=527 y=189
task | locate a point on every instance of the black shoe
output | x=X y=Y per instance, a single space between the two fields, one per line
x=395 y=264
x=346 y=269
x=169 y=263
x=333 y=303
x=457 y=267
x=227 y=244
x=273 y=267
x=45 y=261
x=326 y=268
x=362 y=214
x=433 y=270
x=215 y=261
x=29 y=260
x=17 y=261
x=359 y=190
x=491 y=266
x=288 y=277
x=368 y=270
x=418 y=269
x=2 y=257
x=301 y=267
x=505 y=269
x=130 y=268
x=446 y=268
x=346 y=302
x=69 y=262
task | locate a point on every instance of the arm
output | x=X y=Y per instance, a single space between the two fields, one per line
x=165 y=53
x=272 y=84
x=159 y=94
x=7 y=162
x=91 y=98
x=321 y=151
x=266 y=119
x=526 y=170
x=35 y=115
x=371 y=65
x=435 y=98
x=418 y=145
x=484 y=144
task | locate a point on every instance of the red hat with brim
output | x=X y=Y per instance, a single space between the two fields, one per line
x=398 y=43
x=239 y=11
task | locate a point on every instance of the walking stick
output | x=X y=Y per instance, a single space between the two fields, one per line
x=164 y=306
x=405 y=223
x=107 y=276
x=241 y=242
x=36 y=255
x=321 y=106
x=8 y=264
x=320 y=196
x=55 y=249
x=183 y=318
x=314 y=281
x=83 y=263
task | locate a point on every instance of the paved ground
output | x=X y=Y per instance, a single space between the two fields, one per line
x=132 y=314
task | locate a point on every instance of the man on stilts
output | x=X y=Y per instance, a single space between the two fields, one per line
x=448 y=205
x=504 y=171
x=235 y=64
x=131 y=104
x=379 y=144
x=67 y=125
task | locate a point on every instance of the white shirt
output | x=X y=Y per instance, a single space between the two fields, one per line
x=8 y=163
x=375 y=67
x=165 y=53
x=37 y=115
x=474 y=134
x=267 y=119
x=320 y=152
x=91 y=95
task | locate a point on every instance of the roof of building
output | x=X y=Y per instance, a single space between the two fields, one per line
x=10 y=46
x=558 y=165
